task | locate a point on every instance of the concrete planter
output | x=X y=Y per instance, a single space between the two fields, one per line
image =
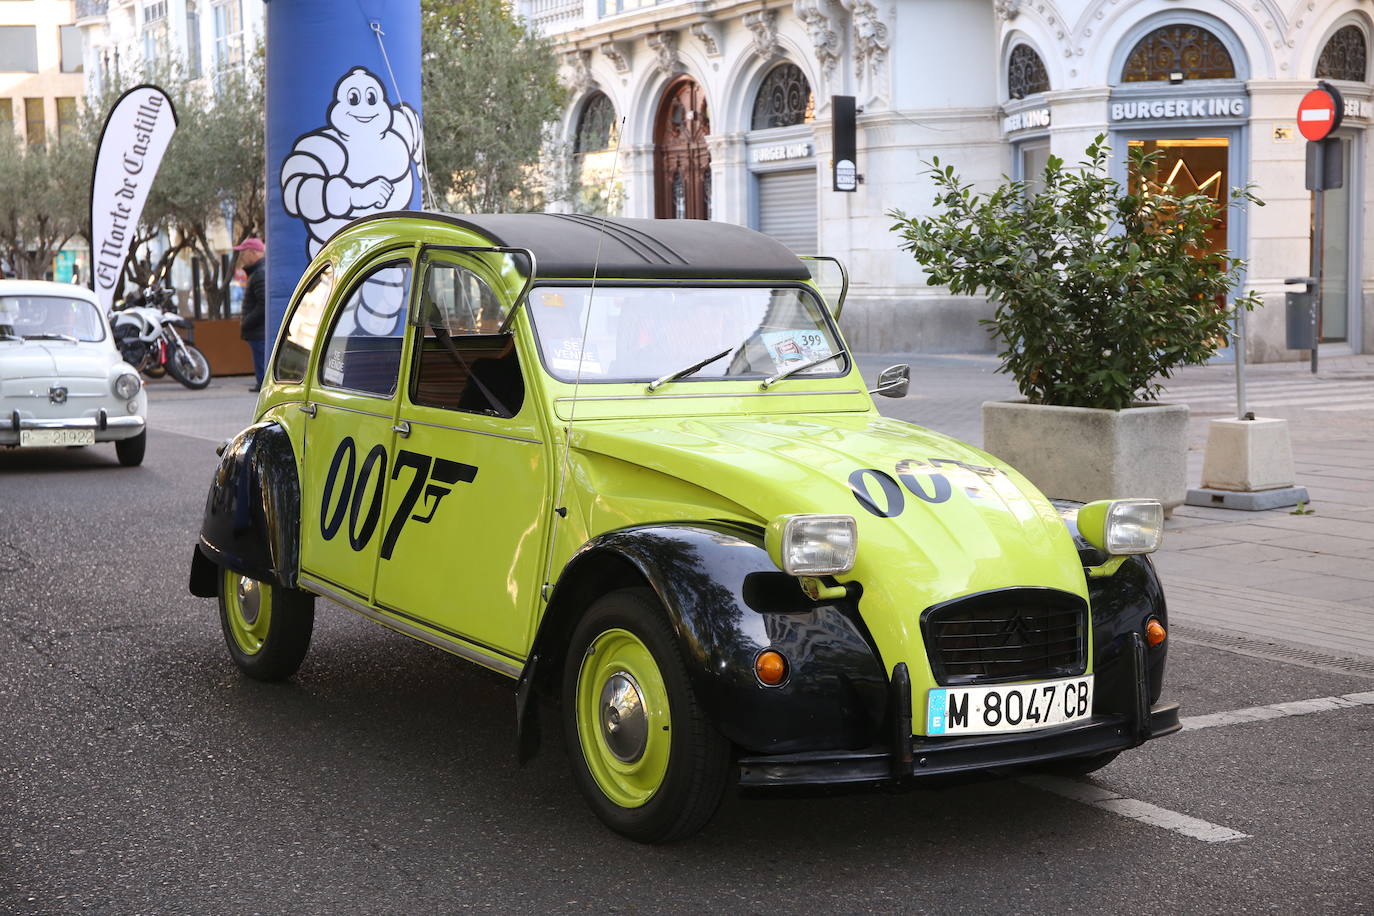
x=1085 y=453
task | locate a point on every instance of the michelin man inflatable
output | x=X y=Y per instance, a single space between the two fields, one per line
x=360 y=164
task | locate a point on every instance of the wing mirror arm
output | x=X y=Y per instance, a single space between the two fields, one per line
x=893 y=382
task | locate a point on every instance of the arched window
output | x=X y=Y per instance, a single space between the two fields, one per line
x=594 y=189
x=596 y=127
x=1344 y=57
x=1177 y=52
x=1026 y=74
x=784 y=99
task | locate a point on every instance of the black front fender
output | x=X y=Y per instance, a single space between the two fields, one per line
x=252 y=513
x=1122 y=604
x=726 y=602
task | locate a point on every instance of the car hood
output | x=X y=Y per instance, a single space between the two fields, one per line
x=937 y=519
x=33 y=359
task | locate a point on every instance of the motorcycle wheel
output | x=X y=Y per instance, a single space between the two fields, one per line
x=189 y=366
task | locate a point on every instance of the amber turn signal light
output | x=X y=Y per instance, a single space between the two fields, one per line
x=770 y=668
x=1154 y=633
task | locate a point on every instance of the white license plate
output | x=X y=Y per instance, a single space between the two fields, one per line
x=1008 y=708
x=57 y=437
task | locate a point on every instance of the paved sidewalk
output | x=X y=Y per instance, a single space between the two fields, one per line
x=1275 y=576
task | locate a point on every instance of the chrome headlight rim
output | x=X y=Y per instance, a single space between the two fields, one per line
x=126 y=385
x=1123 y=527
x=788 y=535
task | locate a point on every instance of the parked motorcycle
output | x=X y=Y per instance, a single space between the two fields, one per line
x=145 y=328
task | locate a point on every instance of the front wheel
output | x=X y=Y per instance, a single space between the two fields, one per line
x=645 y=757
x=266 y=627
x=189 y=366
x=130 y=451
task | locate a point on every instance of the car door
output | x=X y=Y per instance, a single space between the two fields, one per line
x=464 y=548
x=351 y=406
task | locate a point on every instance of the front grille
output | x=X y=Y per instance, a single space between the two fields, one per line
x=1011 y=634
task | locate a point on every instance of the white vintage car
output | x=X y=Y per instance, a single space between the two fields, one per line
x=62 y=382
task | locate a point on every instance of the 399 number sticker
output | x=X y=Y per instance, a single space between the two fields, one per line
x=353 y=494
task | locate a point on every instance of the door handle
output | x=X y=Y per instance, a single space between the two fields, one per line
x=402 y=429
x=309 y=409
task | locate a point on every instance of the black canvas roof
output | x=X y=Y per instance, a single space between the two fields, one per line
x=566 y=245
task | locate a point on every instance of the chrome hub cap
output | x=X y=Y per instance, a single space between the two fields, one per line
x=624 y=724
x=250 y=600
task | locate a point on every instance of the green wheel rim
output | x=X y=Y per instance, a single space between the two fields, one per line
x=248 y=606
x=623 y=718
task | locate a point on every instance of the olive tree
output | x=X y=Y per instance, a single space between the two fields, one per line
x=490 y=90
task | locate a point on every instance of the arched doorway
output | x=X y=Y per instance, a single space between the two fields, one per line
x=682 y=162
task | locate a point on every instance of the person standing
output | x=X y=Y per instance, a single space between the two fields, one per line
x=252 y=320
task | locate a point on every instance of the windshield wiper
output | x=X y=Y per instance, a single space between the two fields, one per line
x=50 y=336
x=683 y=373
x=774 y=379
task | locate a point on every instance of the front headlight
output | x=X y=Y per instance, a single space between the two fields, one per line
x=1123 y=526
x=813 y=545
x=126 y=385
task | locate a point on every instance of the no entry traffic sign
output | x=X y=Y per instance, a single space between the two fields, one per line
x=1319 y=112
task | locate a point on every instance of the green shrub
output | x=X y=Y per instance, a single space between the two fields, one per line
x=1100 y=292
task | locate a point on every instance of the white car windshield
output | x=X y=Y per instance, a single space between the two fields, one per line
x=49 y=318
x=642 y=333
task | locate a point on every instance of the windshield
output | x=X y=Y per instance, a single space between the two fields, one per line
x=49 y=317
x=640 y=333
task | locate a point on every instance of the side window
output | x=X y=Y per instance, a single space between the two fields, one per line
x=364 y=348
x=293 y=353
x=461 y=362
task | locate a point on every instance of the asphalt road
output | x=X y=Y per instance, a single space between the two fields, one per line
x=139 y=773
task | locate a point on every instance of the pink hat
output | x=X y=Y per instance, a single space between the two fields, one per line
x=250 y=244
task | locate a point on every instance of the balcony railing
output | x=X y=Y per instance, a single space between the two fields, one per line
x=548 y=16
x=89 y=9
x=612 y=7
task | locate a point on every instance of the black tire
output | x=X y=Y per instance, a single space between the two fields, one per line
x=189 y=366
x=130 y=451
x=266 y=627
x=669 y=803
x=1078 y=766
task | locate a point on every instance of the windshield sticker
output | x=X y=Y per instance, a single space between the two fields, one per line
x=794 y=347
x=568 y=354
x=333 y=373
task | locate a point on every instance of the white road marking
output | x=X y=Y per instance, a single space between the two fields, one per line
x=1146 y=813
x=1097 y=797
x=1278 y=711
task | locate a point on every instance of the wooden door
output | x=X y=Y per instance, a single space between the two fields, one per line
x=682 y=161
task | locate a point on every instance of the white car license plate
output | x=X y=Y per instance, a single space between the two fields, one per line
x=1008 y=708
x=57 y=437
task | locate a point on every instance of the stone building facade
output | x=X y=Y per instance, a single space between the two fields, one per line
x=722 y=110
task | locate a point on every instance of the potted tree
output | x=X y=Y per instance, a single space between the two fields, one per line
x=1101 y=291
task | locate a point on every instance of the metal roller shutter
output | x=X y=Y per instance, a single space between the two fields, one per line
x=787 y=208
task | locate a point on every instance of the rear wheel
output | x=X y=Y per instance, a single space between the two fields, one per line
x=189 y=366
x=266 y=627
x=643 y=753
x=130 y=451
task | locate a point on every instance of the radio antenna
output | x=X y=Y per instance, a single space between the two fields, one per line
x=561 y=510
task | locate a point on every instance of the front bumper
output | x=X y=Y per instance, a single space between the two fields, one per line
x=910 y=759
x=107 y=428
x=930 y=757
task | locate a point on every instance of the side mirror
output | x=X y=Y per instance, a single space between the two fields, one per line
x=893 y=381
